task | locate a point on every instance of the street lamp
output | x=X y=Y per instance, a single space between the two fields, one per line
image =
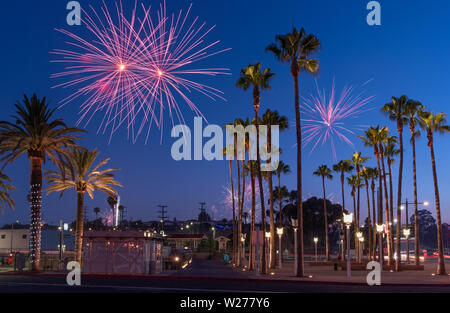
x=268 y=248
x=405 y=206
x=348 y=220
x=243 y=236
x=294 y=223
x=359 y=235
x=406 y=233
x=315 y=239
x=380 y=229
x=361 y=241
x=280 y=253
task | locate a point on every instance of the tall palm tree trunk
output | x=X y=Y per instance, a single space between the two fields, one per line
x=36 y=205
x=369 y=234
x=399 y=197
x=391 y=201
x=342 y=215
x=271 y=213
x=380 y=209
x=256 y=104
x=388 y=221
x=325 y=218
x=358 y=257
x=300 y=271
x=238 y=219
x=252 y=238
x=79 y=227
x=374 y=223
x=441 y=261
x=416 y=209
x=280 y=215
x=241 y=209
x=234 y=211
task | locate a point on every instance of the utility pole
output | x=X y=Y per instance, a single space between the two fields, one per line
x=163 y=215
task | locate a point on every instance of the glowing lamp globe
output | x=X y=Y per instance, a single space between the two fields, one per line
x=348 y=219
x=380 y=228
x=280 y=231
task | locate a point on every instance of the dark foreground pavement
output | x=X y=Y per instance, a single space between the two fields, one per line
x=199 y=277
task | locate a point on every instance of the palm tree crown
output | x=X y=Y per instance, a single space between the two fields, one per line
x=5 y=193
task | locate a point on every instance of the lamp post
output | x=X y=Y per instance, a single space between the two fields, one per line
x=243 y=236
x=405 y=206
x=361 y=241
x=359 y=236
x=294 y=223
x=348 y=220
x=406 y=233
x=268 y=249
x=280 y=251
x=315 y=239
x=380 y=229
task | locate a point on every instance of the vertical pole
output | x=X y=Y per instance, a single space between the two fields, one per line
x=349 y=271
x=315 y=244
x=407 y=237
x=12 y=234
x=61 y=236
x=280 y=251
x=380 y=245
x=295 y=252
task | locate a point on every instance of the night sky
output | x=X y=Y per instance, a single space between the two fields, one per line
x=407 y=54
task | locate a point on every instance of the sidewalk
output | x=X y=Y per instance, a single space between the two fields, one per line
x=329 y=275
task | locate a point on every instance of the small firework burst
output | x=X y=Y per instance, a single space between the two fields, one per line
x=327 y=119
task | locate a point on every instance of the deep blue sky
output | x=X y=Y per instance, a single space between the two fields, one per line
x=407 y=54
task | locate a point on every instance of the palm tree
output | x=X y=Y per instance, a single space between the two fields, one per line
x=250 y=168
x=230 y=158
x=357 y=161
x=253 y=77
x=282 y=169
x=324 y=172
x=83 y=176
x=374 y=172
x=38 y=135
x=295 y=49
x=341 y=168
x=5 y=193
x=396 y=112
x=435 y=123
x=412 y=108
x=383 y=137
x=372 y=138
x=390 y=151
x=96 y=211
x=237 y=122
x=367 y=175
x=270 y=118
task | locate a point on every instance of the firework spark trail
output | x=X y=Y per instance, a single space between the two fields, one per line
x=136 y=67
x=228 y=204
x=327 y=120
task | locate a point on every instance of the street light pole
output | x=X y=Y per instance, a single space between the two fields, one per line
x=280 y=250
x=407 y=225
x=380 y=229
x=295 y=226
x=348 y=219
x=315 y=244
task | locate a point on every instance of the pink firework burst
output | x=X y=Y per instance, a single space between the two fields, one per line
x=325 y=120
x=132 y=67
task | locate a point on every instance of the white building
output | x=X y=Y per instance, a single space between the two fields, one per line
x=13 y=239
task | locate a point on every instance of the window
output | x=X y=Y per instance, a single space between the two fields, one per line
x=3 y=236
x=24 y=236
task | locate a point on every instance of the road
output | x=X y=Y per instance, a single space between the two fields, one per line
x=199 y=277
